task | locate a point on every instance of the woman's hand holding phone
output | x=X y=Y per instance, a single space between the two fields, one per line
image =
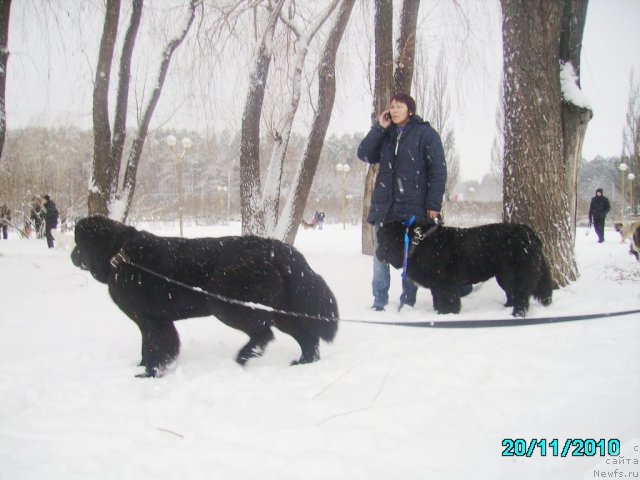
x=385 y=119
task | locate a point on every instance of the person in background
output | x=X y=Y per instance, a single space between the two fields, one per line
x=598 y=210
x=36 y=216
x=410 y=182
x=50 y=218
x=5 y=219
x=319 y=216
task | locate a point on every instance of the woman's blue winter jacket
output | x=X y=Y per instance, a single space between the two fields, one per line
x=412 y=174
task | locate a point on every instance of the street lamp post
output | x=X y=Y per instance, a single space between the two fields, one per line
x=623 y=168
x=631 y=177
x=186 y=143
x=343 y=168
x=222 y=190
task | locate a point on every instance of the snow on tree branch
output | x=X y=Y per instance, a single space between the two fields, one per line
x=571 y=92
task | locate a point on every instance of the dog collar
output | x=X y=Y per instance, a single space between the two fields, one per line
x=418 y=236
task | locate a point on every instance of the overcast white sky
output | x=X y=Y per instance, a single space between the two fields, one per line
x=47 y=87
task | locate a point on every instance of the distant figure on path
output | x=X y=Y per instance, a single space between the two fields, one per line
x=598 y=212
x=50 y=218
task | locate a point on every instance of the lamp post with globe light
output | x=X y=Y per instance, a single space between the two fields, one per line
x=222 y=190
x=186 y=143
x=343 y=168
x=623 y=168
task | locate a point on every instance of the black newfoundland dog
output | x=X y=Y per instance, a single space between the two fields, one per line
x=445 y=259
x=157 y=280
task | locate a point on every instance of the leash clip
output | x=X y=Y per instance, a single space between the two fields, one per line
x=118 y=259
x=418 y=236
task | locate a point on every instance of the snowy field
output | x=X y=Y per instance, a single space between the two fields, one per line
x=385 y=402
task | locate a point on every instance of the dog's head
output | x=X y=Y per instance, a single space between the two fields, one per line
x=98 y=239
x=391 y=238
x=618 y=227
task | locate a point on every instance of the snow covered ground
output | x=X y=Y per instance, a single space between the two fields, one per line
x=385 y=402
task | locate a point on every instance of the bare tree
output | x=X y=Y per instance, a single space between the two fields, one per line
x=5 y=9
x=261 y=214
x=104 y=197
x=308 y=163
x=631 y=142
x=434 y=104
x=535 y=174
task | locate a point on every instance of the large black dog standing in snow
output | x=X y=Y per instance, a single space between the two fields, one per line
x=445 y=258
x=149 y=278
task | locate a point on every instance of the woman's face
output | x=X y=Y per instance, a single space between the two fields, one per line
x=399 y=113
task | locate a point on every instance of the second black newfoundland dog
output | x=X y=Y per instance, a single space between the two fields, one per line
x=445 y=259
x=157 y=280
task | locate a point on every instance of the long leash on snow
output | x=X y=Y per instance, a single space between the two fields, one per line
x=503 y=322
x=121 y=257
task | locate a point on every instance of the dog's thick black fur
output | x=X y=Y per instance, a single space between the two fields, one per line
x=249 y=269
x=449 y=258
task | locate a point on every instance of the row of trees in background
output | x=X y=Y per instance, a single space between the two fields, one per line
x=59 y=162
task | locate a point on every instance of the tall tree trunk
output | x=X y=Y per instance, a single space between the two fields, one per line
x=382 y=95
x=133 y=161
x=99 y=194
x=251 y=209
x=273 y=180
x=104 y=196
x=535 y=184
x=5 y=9
x=297 y=200
x=405 y=61
x=122 y=99
x=574 y=117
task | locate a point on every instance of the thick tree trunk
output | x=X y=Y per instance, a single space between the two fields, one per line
x=297 y=200
x=534 y=169
x=5 y=9
x=99 y=194
x=251 y=208
x=574 y=128
x=382 y=95
x=574 y=117
x=405 y=61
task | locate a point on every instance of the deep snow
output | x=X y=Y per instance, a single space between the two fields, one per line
x=385 y=402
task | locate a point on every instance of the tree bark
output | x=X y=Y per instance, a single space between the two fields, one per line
x=574 y=118
x=535 y=184
x=405 y=61
x=5 y=10
x=382 y=96
x=122 y=100
x=99 y=192
x=251 y=209
x=297 y=200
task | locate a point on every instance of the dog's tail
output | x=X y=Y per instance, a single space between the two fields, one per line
x=544 y=289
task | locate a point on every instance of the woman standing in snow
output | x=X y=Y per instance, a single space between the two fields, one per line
x=410 y=182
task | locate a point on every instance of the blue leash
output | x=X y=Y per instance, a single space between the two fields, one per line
x=407 y=225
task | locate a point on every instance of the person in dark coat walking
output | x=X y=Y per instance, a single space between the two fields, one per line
x=5 y=219
x=410 y=182
x=50 y=218
x=598 y=212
